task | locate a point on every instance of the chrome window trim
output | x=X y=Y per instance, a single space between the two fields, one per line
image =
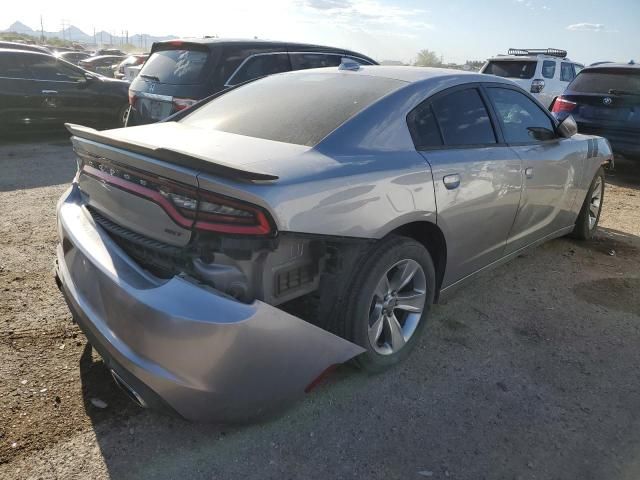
x=235 y=72
x=37 y=80
x=230 y=79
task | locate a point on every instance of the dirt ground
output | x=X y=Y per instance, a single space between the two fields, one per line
x=530 y=372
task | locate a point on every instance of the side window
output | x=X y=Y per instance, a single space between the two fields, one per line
x=69 y=72
x=423 y=127
x=463 y=119
x=43 y=67
x=260 y=66
x=576 y=68
x=521 y=119
x=548 y=68
x=567 y=73
x=11 y=66
x=361 y=61
x=302 y=61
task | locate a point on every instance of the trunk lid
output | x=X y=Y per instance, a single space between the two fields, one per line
x=145 y=179
x=608 y=97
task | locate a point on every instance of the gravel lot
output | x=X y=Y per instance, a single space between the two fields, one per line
x=531 y=372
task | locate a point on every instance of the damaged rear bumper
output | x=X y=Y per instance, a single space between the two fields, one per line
x=180 y=345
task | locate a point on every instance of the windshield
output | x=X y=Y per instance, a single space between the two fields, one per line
x=594 y=81
x=300 y=108
x=511 y=68
x=176 y=67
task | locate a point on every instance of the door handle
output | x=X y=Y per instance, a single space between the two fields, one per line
x=451 y=181
x=49 y=92
x=528 y=172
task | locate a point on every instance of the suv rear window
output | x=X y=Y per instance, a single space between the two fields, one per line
x=596 y=81
x=176 y=67
x=316 y=104
x=511 y=68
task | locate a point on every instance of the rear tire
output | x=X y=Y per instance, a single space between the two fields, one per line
x=587 y=221
x=388 y=302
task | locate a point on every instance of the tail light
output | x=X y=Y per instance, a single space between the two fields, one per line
x=182 y=103
x=186 y=205
x=132 y=98
x=537 y=85
x=561 y=104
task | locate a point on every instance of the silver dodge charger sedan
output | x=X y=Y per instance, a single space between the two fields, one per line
x=356 y=195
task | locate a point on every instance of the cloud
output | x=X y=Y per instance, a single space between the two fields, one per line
x=368 y=15
x=328 y=4
x=586 y=27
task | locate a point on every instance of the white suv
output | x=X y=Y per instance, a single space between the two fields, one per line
x=544 y=72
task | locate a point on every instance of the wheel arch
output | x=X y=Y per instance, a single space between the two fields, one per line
x=431 y=236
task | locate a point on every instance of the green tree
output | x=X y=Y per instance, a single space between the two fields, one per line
x=427 y=58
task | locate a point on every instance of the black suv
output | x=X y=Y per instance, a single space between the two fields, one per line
x=604 y=99
x=180 y=72
x=37 y=89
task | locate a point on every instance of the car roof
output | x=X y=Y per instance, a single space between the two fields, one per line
x=211 y=42
x=529 y=58
x=25 y=52
x=409 y=74
x=612 y=65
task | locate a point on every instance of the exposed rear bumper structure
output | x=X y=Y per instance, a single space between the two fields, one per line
x=180 y=345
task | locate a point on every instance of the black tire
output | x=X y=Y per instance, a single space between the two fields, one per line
x=359 y=300
x=587 y=223
x=123 y=117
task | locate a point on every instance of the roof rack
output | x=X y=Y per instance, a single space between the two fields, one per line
x=553 y=52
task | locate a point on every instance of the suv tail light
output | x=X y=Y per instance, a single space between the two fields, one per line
x=561 y=104
x=185 y=204
x=537 y=85
x=182 y=103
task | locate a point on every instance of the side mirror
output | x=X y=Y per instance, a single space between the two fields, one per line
x=568 y=127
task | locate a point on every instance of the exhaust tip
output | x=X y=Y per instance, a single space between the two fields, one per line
x=131 y=393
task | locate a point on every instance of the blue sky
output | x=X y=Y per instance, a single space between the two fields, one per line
x=384 y=29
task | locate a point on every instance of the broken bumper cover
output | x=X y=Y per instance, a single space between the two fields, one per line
x=206 y=356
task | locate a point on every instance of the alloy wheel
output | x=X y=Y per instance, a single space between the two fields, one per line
x=397 y=306
x=595 y=202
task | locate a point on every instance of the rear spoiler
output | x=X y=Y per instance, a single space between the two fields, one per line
x=205 y=165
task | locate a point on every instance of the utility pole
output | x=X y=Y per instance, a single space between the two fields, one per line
x=41 y=30
x=94 y=36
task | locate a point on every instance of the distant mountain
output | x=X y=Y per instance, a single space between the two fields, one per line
x=19 y=27
x=74 y=34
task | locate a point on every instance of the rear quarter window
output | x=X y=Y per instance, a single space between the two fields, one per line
x=176 y=67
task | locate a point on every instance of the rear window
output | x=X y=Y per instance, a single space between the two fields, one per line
x=511 y=69
x=592 y=81
x=176 y=67
x=300 y=108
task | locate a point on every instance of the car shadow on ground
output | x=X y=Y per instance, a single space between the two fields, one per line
x=626 y=172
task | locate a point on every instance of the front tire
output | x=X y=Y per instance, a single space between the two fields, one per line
x=388 y=302
x=123 y=116
x=589 y=215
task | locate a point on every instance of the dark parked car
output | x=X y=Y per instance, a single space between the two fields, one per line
x=604 y=99
x=73 y=57
x=41 y=90
x=25 y=46
x=180 y=72
x=102 y=64
x=110 y=51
